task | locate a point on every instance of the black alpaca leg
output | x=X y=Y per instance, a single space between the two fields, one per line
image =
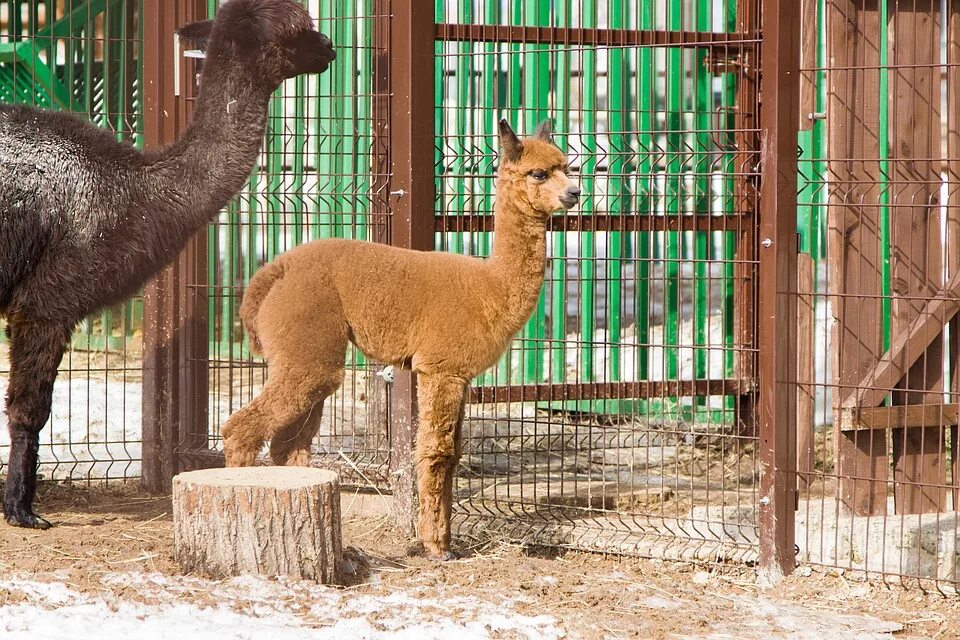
x=35 y=354
x=21 y=484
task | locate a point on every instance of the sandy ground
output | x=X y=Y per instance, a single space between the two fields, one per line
x=106 y=571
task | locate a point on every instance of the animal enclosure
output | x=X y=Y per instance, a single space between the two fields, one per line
x=734 y=351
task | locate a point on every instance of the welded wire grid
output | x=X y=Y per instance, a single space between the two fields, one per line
x=83 y=57
x=880 y=205
x=323 y=173
x=620 y=419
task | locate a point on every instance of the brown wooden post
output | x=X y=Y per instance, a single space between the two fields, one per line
x=916 y=262
x=853 y=30
x=167 y=394
x=412 y=201
x=953 y=214
x=777 y=299
x=747 y=161
x=808 y=63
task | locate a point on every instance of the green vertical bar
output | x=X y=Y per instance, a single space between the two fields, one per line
x=618 y=98
x=506 y=371
x=325 y=149
x=674 y=187
x=458 y=162
x=646 y=74
x=274 y=169
x=883 y=133
x=487 y=111
x=704 y=102
x=558 y=289
x=299 y=149
x=729 y=97
x=536 y=95
x=588 y=206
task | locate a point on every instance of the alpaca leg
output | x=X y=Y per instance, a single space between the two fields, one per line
x=35 y=354
x=441 y=401
x=278 y=412
x=305 y=342
x=291 y=446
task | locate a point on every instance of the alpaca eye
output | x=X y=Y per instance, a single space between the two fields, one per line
x=538 y=175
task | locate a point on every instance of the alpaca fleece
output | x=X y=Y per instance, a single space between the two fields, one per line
x=447 y=317
x=85 y=220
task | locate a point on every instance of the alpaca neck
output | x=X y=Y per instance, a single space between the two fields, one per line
x=190 y=181
x=519 y=254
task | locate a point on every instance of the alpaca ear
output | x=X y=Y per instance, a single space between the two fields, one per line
x=196 y=32
x=510 y=145
x=543 y=132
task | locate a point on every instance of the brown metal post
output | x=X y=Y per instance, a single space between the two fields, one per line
x=411 y=199
x=165 y=115
x=745 y=318
x=777 y=325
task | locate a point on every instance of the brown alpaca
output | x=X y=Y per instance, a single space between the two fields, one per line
x=447 y=317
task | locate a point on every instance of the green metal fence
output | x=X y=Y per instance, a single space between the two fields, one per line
x=641 y=126
x=643 y=137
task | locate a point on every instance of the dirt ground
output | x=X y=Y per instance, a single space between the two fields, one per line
x=100 y=531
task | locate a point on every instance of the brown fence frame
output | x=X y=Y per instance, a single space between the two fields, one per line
x=175 y=428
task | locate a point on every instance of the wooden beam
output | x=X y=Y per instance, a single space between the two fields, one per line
x=808 y=62
x=853 y=29
x=901 y=416
x=953 y=211
x=907 y=348
x=916 y=248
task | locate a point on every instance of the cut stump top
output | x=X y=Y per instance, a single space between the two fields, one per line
x=259 y=477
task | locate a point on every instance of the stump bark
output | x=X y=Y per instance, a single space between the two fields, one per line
x=276 y=521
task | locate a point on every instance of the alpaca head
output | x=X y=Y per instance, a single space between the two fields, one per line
x=538 y=169
x=272 y=39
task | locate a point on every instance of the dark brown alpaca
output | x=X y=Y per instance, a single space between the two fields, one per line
x=86 y=220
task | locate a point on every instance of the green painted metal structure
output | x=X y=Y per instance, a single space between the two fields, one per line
x=650 y=131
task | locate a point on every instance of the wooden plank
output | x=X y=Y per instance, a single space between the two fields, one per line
x=854 y=238
x=916 y=254
x=905 y=350
x=953 y=212
x=896 y=417
x=808 y=63
x=805 y=369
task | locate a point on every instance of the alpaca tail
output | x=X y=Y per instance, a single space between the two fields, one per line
x=260 y=285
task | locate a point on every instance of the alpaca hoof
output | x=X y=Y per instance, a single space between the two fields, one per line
x=28 y=520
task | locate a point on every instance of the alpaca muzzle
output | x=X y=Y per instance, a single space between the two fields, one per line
x=570 y=197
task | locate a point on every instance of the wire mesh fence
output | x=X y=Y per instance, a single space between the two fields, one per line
x=631 y=414
x=83 y=57
x=621 y=418
x=877 y=429
x=323 y=173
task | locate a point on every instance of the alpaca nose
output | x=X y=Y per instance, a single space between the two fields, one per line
x=327 y=45
x=573 y=192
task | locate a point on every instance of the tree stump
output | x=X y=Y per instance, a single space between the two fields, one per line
x=262 y=520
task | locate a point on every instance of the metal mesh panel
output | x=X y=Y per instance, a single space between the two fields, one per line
x=878 y=294
x=621 y=418
x=83 y=57
x=322 y=174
